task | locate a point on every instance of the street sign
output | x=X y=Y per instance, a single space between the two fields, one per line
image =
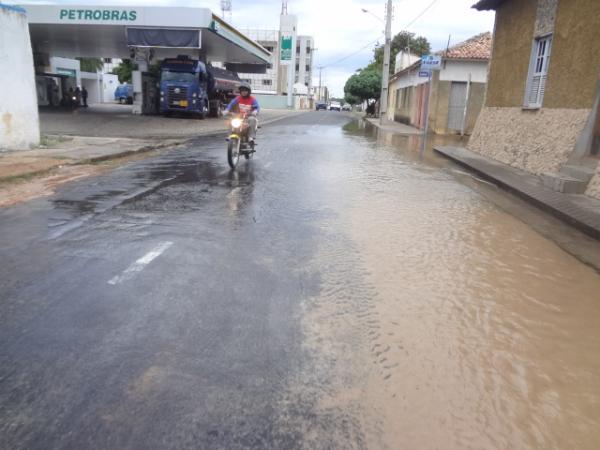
x=286 y=48
x=431 y=62
x=424 y=73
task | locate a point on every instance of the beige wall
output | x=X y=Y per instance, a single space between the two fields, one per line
x=575 y=59
x=574 y=63
x=439 y=108
x=511 y=52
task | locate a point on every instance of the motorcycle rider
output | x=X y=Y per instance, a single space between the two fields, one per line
x=246 y=103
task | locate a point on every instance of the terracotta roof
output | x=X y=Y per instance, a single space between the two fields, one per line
x=478 y=47
x=483 y=5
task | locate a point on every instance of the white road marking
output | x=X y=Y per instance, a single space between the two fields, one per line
x=140 y=264
x=267 y=165
x=234 y=192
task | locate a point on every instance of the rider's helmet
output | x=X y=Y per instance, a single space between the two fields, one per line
x=245 y=87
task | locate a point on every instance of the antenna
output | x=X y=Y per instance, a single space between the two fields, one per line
x=284 y=8
x=226 y=10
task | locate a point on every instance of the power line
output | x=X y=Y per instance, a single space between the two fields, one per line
x=427 y=8
x=421 y=14
x=351 y=54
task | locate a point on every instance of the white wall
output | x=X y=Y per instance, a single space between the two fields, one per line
x=19 y=121
x=109 y=84
x=56 y=63
x=454 y=71
x=459 y=71
x=409 y=78
x=92 y=84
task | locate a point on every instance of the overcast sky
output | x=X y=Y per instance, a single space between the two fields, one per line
x=340 y=28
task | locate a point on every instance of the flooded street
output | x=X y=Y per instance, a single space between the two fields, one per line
x=338 y=291
x=476 y=332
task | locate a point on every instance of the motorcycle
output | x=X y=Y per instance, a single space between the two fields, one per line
x=238 y=142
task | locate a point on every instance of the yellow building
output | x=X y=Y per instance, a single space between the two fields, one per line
x=541 y=106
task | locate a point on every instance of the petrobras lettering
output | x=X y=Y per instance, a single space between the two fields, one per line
x=98 y=15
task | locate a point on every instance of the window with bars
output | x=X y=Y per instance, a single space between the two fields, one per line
x=538 y=72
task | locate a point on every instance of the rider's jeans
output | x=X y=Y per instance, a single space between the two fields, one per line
x=252 y=125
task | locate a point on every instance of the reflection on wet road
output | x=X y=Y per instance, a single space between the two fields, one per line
x=336 y=292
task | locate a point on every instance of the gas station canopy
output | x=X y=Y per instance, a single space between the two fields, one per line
x=107 y=31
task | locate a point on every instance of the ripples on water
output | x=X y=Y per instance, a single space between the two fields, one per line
x=445 y=322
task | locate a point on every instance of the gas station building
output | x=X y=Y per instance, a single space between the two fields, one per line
x=142 y=34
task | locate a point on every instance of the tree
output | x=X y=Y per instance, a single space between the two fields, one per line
x=404 y=40
x=123 y=70
x=364 y=85
x=90 y=64
x=351 y=99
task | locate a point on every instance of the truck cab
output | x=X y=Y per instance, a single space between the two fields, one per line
x=184 y=86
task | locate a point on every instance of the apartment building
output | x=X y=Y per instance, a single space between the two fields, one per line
x=269 y=82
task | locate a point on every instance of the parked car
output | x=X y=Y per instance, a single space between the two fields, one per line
x=347 y=107
x=335 y=106
x=124 y=94
x=321 y=105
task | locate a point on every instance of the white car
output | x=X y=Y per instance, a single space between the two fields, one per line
x=335 y=106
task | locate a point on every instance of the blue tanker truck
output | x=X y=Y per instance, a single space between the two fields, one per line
x=189 y=86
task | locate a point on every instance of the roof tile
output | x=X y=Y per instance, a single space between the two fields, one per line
x=477 y=47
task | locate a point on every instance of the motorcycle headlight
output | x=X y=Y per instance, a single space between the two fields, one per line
x=236 y=123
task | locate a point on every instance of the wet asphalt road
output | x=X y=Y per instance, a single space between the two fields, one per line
x=335 y=292
x=191 y=349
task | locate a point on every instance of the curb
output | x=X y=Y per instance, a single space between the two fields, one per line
x=184 y=140
x=389 y=129
x=521 y=193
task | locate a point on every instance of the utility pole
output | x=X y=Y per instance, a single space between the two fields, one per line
x=320 y=69
x=385 y=79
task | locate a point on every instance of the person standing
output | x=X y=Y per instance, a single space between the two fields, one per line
x=84 y=96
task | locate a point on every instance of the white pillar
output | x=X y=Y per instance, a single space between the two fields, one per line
x=19 y=121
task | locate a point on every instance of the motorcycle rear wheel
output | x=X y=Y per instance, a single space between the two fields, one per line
x=233 y=152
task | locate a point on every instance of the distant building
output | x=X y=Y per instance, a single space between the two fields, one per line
x=457 y=89
x=304 y=61
x=322 y=95
x=272 y=82
x=110 y=64
x=264 y=83
x=541 y=106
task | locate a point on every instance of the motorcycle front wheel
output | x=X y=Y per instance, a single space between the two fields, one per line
x=233 y=152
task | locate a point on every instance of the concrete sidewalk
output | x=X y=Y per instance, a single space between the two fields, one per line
x=393 y=127
x=62 y=149
x=581 y=211
x=59 y=151
x=111 y=120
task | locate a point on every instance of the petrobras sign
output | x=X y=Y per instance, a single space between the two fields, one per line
x=431 y=62
x=151 y=16
x=97 y=15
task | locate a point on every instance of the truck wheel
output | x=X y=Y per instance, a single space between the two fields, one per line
x=214 y=108
x=202 y=114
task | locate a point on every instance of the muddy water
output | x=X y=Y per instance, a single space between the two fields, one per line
x=443 y=322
